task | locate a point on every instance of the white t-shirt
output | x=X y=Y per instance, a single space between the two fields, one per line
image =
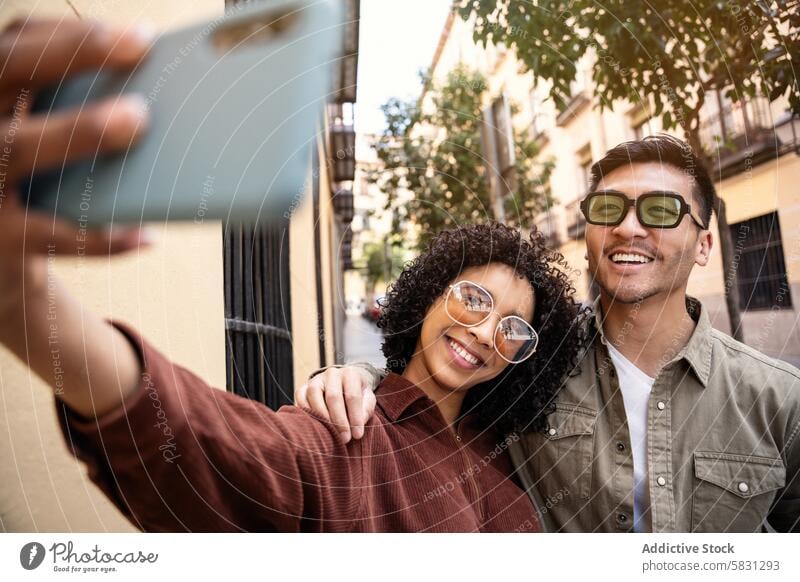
x=635 y=386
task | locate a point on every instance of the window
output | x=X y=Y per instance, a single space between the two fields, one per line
x=497 y=147
x=641 y=122
x=548 y=226
x=576 y=223
x=504 y=136
x=258 y=320
x=537 y=115
x=583 y=158
x=760 y=264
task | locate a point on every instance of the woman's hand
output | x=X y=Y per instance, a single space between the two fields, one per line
x=35 y=54
x=96 y=367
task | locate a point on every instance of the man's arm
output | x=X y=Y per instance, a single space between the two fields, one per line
x=344 y=395
x=784 y=515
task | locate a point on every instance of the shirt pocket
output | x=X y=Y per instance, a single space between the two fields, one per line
x=733 y=493
x=564 y=453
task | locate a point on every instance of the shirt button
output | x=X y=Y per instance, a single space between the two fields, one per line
x=661 y=405
x=743 y=487
x=552 y=432
x=620 y=447
x=661 y=481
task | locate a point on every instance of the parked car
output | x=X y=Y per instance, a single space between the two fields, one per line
x=373 y=311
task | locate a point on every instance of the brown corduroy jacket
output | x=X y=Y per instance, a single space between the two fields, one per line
x=181 y=456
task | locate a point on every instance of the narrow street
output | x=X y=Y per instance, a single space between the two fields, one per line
x=362 y=341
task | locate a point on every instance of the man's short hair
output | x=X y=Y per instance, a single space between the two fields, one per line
x=665 y=149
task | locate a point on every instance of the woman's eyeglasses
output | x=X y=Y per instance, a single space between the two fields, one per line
x=469 y=304
x=654 y=209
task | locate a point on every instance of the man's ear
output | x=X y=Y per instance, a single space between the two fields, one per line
x=705 y=242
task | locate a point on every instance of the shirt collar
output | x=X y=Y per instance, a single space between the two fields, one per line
x=697 y=351
x=396 y=394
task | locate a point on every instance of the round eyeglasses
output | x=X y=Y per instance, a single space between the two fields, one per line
x=469 y=304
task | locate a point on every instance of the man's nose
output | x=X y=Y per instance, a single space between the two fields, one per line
x=630 y=227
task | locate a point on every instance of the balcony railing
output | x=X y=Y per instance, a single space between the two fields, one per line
x=738 y=136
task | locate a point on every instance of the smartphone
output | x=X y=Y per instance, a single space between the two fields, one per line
x=235 y=107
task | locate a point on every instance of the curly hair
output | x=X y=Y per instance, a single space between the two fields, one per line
x=522 y=395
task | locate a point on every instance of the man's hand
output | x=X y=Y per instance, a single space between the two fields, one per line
x=343 y=396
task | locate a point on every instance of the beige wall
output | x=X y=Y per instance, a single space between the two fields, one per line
x=302 y=269
x=172 y=292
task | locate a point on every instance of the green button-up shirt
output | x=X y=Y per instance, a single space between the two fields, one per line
x=723 y=443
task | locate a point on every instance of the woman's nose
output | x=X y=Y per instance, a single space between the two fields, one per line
x=484 y=333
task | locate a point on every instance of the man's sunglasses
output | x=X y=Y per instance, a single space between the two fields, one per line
x=469 y=304
x=659 y=209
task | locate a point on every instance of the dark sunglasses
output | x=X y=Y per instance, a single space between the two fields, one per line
x=654 y=209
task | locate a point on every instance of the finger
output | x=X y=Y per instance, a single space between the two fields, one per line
x=369 y=404
x=44 y=52
x=24 y=232
x=352 y=387
x=32 y=22
x=42 y=234
x=334 y=399
x=300 y=396
x=43 y=142
x=315 y=396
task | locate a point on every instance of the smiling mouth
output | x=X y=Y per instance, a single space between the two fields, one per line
x=630 y=259
x=463 y=353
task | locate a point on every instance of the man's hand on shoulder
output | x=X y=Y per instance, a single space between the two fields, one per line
x=344 y=396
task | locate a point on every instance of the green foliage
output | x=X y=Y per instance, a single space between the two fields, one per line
x=437 y=156
x=673 y=50
x=383 y=263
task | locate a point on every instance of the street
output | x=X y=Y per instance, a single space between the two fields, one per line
x=362 y=341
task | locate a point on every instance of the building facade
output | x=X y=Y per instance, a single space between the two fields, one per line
x=757 y=179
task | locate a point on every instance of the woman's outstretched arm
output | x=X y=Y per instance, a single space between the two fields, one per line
x=181 y=456
x=87 y=362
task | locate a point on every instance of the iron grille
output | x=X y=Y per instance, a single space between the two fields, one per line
x=258 y=322
x=760 y=264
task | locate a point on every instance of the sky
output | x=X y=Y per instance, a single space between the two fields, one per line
x=397 y=38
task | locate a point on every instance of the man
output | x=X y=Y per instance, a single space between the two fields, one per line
x=669 y=425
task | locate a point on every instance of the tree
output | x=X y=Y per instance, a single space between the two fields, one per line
x=436 y=157
x=382 y=262
x=668 y=55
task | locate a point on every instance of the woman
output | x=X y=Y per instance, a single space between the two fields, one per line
x=479 y=333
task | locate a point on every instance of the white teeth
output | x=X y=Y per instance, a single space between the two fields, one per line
x=464 y=353
x=629 y=258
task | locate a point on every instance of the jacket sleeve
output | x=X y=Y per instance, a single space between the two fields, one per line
x=178 y=455
x=784 y=515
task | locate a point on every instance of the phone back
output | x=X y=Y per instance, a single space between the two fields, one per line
x=235 y=105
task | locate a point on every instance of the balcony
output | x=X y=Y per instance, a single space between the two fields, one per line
x=739 y=136
x=345 y=73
